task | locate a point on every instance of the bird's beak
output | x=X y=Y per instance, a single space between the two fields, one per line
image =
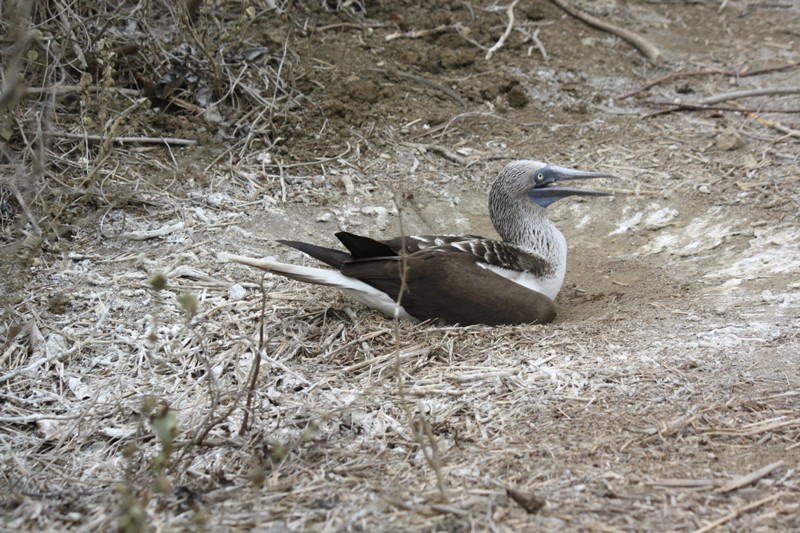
x=547 y=192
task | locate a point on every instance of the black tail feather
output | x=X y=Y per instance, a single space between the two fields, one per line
x=329 y=256
x=364 y=247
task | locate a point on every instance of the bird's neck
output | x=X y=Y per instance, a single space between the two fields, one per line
x=531 y=230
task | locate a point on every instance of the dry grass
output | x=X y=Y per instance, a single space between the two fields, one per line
x=329 y=440
x=84 y=112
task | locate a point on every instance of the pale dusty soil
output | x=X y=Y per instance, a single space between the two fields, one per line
x=672 y=369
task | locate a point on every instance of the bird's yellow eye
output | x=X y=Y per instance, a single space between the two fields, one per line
x=540 y=177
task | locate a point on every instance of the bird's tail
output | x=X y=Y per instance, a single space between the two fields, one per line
x=317 y=276
x=329 y=256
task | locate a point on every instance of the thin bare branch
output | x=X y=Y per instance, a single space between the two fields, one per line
x=644 y=47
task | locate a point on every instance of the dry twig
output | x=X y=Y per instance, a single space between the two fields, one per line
x=420 y=426
x=153 y=233
x=644 y=47
x=540 y=45
x=509 y=27
x=256 y=364
x=451 y=93
x=416 y=34
x=707 y=72
x=750 y=478
x=787 y=131
x=441 y=150
x=126 y=140
x=39 y=362
x=737 y=108
x=737 y=512
x=67 y=89
x=734 y=95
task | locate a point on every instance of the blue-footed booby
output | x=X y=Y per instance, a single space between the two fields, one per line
x=462 y=279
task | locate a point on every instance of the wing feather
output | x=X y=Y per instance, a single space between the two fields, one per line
x=454 y=289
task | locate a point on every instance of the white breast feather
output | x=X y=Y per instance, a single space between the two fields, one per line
x=547 y=286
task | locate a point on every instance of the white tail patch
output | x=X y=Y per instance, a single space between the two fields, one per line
x=356 y=289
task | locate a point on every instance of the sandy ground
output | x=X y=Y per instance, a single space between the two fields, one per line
x=671 y=374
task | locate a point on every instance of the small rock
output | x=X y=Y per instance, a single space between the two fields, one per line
x=212 y=116
x=81 y=390
x=48 y=429
x=661 y=218
x=236 y=292
x=528 y=501
x=729 y=139
x=379 y=212
x=347 y=181
x=325 y=217
x=517 y=97
x=629 y=224
x=56 y=343
x=217 y=199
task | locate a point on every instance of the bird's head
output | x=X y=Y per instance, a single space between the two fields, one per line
x=525 y=188
x=539 y=182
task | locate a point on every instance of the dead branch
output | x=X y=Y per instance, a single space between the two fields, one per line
x=67 y=89
x=787 y=131
x=416 y=34
x=750 y=478
x=39 y=362
x=644 y=47
x=350 y=26
x=441 y=150
x=425 y=81
x=154 y=233
x=506 y=33
x=682 y=106
x=540 y=45
x=256 y=365
x=739 y=511
x=404 y=354
x=127 y=140
x=707 y=72
x=421 y=427
x=320 y=161
x=734 y=95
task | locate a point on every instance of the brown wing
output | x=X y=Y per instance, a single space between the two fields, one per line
x=453 y=288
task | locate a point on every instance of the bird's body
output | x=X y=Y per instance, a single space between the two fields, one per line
x=458 y=279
